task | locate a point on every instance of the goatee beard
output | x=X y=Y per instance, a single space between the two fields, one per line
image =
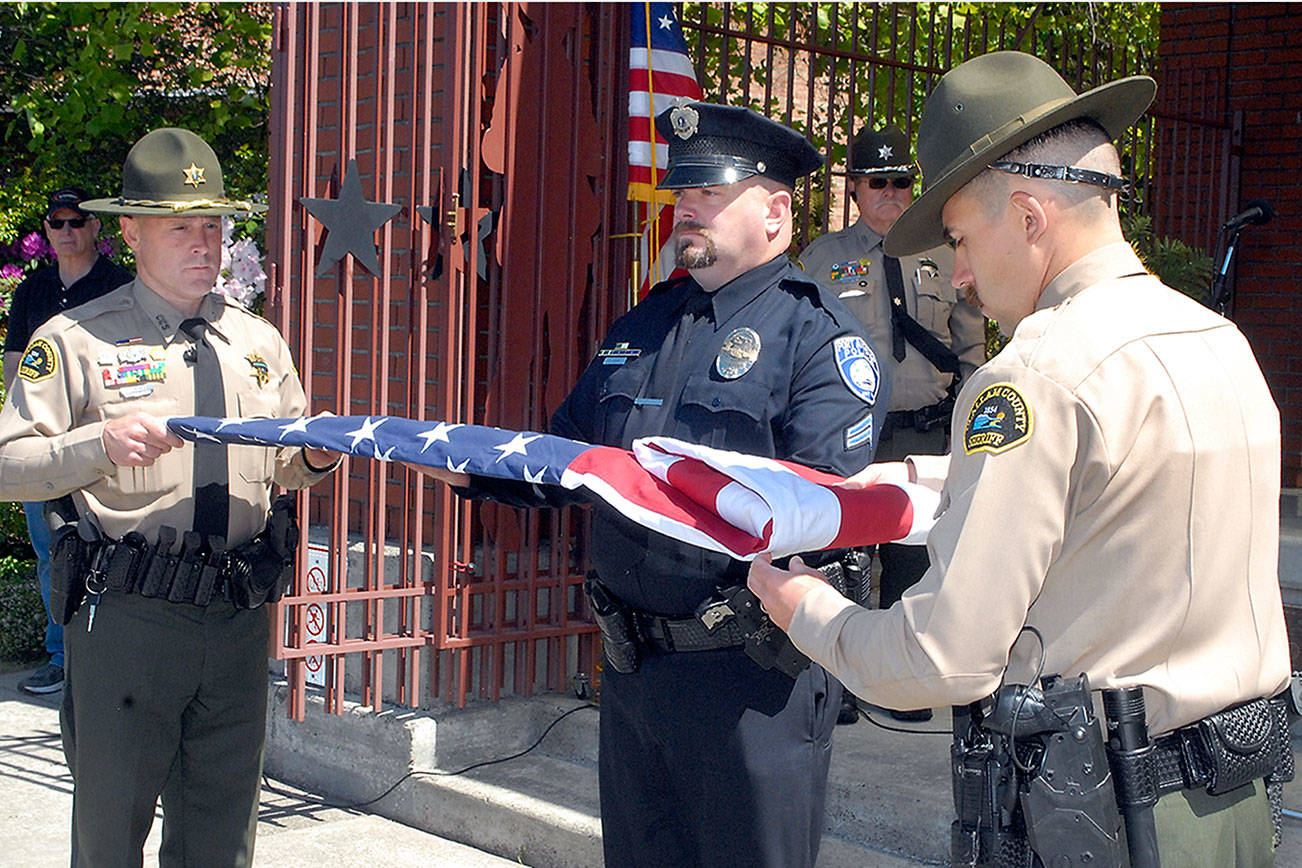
x=691 y=255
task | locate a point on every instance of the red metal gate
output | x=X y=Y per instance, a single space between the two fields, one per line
x=506 y=121
x=493 y=117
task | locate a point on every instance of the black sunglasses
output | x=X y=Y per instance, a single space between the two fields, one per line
x=880 y=183
x=75 y=222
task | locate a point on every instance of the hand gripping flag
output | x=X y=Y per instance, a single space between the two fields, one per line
x=739 y=505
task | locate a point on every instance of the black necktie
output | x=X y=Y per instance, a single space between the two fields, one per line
x=895 y=284
x=667 y=373
x=212 y=494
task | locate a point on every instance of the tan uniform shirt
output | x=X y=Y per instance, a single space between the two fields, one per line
x=123 y=353
x=849 y=263
x=1114 y=482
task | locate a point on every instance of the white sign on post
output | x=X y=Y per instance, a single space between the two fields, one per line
x=316 y=614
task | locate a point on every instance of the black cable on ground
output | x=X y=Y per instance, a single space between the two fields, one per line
x=266 y=782
x=877 y=723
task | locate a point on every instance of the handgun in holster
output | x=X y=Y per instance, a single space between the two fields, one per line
x=766 y=644
x=70 y=556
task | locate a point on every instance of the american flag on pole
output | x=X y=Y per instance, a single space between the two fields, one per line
x=740 y=505
x=660 y=74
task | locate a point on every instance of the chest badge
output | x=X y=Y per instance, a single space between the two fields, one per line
x=858 y=367
x=738 y=354
x=261 y=373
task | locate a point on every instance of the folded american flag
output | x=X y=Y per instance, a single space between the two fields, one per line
x=740 y=505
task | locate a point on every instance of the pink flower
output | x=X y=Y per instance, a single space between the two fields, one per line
x=34 y=246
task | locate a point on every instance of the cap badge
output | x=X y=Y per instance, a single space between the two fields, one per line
x=885 y=152
x=738 y=354
x=193 y=175
x=685 y=120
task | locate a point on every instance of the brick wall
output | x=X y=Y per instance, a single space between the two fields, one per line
x=1247 y=57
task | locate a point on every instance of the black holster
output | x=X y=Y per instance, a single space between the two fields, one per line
x=618 y=637
x=260 y=571
x=1031 y=780
x=69 y=559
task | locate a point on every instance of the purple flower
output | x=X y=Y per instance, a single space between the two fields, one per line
x=104 y=247
x=33 y=246
x=9 y=271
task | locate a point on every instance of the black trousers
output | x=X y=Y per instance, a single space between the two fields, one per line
x=708 y=760
x=165 y=699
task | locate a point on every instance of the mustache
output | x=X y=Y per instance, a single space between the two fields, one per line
x=690 y=226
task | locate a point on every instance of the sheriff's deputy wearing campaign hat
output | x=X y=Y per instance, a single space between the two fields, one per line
x=166 y=675
x=707 y=758
x=1111 y=497
x=930 y=338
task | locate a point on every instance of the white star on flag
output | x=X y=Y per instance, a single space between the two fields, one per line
x=885 y=152
x=437 y=434
x=367 y=431
x=299 y=425
x=458 y=468
x=515 y=446
x=535 y=478
x=666 y=22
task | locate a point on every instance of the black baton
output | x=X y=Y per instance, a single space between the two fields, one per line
x=1132 y=769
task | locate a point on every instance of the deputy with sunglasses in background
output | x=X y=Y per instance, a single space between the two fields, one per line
x=78 y=275
x=928 y=338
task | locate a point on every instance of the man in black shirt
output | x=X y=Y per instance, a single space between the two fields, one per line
x=705 y=757
x=78 y=275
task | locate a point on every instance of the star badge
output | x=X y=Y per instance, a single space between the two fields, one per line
x=350 y=222
x=885 y=152
x=193 y=175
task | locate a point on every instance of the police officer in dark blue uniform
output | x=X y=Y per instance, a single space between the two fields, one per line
x=706 y=758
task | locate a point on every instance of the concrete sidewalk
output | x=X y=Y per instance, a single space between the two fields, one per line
x=36 y=804
x=888 y=803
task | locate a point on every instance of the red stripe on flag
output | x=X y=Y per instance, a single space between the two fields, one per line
x=621 y=470
x=876 y=514
x=662 y=83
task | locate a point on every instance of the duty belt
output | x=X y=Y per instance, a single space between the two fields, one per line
x=198 y=575
x=684 y=634
x=921 y=420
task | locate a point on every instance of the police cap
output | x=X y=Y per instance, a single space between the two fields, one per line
x=712 y=145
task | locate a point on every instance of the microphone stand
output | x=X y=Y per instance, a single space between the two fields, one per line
x=1220 y=294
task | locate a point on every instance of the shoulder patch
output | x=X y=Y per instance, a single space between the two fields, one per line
x=858 y=367
x=999 y=419
x=39 y=362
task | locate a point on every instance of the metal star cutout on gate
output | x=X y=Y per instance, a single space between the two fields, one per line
x=350 y=222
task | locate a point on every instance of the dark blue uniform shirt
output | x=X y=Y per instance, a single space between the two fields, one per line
x=811 y=394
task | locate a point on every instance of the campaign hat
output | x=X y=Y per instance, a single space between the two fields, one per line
x=712 y=145
x=986 y=107
x=884 y=153
x=172 y=171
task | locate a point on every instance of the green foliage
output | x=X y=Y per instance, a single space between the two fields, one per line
x=80 y=82
x=1177 y=264
x=22 y=614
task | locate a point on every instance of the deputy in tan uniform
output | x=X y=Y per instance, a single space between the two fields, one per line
x=930 y=341
x=1114 y=481
x=166 y=668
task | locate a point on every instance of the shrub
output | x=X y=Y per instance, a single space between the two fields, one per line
x=22 y=614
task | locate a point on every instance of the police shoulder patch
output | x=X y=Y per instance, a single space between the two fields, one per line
x=39 y=362
x=858 y=367
x=999 y=419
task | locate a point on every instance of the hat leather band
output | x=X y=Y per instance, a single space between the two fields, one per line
x=186 y=205
x=906 y=169
x=1064 y=173
x=717 y=161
